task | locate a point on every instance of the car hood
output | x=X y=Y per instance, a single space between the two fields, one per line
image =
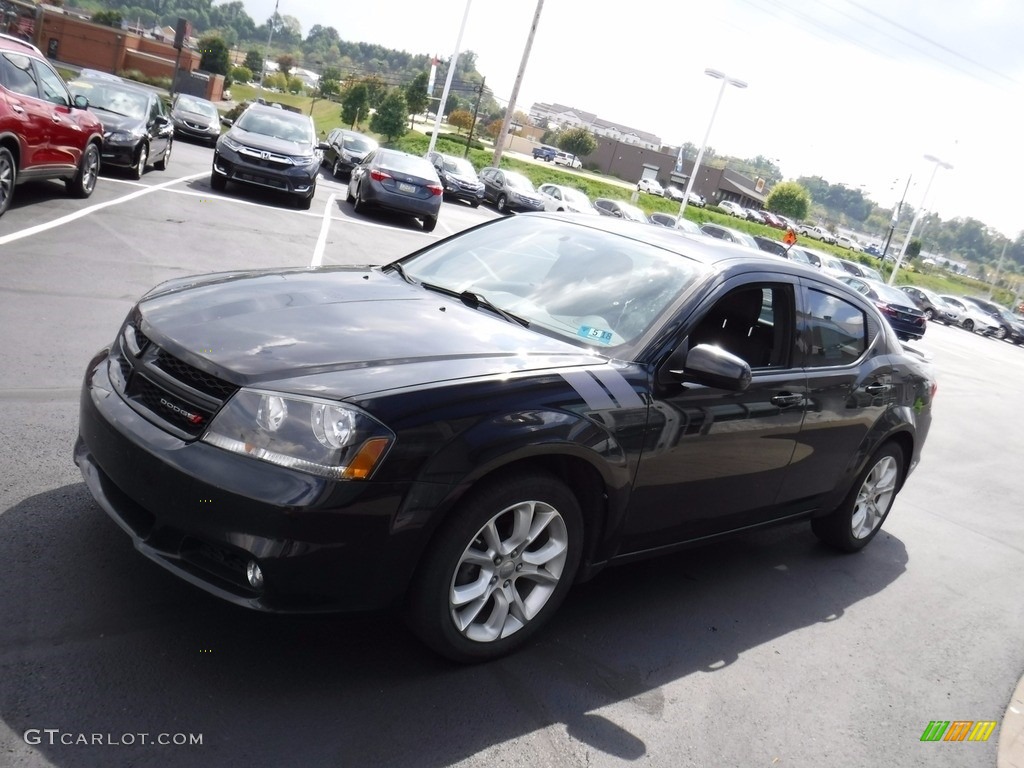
x=339 y=332
x=114 y=122
x=464 y=178
x=268 y=143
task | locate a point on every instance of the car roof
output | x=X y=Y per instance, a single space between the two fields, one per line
x=19 y=43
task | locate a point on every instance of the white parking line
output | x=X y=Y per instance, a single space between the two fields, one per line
x=4 y=240
x=321 y=241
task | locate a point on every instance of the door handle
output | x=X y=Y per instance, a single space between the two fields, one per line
x=18 y=108
x=876 y=388
x=55 y=117
x=786 y=399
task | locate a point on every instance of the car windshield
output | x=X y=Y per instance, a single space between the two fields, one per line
x=566 y=280
x=518 y=181
x=459 y=165
x=110 y=97
x=359 y=144
x=280 y=125
x=199 y=106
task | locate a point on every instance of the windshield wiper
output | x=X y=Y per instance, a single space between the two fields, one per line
x=476 y=300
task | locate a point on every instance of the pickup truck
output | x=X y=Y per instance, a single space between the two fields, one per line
x=818 y=233
x=544 y=153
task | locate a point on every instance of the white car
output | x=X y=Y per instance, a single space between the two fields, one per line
x=733 y=209
x=849 y=242
x=971 y=317
x=564 y=158
x=673 y=193
x=818 y=233
x=651 y=186
x=561 y=198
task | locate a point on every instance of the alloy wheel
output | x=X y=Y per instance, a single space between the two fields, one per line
x=874 y=497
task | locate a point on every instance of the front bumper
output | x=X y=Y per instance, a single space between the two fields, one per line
x=204 y=514
x=295 y=180
x=121 y=155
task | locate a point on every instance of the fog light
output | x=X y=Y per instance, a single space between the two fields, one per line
x=254 y=574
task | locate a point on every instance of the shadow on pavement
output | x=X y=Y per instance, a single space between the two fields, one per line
x=96 y=639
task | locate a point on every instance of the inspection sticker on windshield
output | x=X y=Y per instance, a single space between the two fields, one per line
x=595 y=334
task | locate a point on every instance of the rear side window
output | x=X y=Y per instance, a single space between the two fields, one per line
x=833 y=331
x=18 y=75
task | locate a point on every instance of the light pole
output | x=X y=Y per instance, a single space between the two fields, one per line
x=448 y=82
x=726 y=80
x=918 y=213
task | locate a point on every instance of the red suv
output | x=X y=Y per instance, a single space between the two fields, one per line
x=44 y=132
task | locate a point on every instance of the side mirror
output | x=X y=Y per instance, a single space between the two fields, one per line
x=81 y=102
x=323 y=145
x=711 y=366
x=226 y=121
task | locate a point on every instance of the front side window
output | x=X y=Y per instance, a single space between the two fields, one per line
x=833 y=331
x=754 y=323
x=51 y=86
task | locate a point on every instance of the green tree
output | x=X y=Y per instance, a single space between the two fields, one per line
x=462 y=120
x=355 y=101
x=276 y=80
x=577 y=141
x=790 y=199
x=453 y=104
x=416 y=96
x=376 y=90
x=295 y=85
x=254 y=61
x=913 y=249
x=241 y=74
x=389 y=119
x=214 y=55
x=108 y=18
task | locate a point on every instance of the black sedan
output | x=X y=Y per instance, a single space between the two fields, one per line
x=467 y=432
x=397 y=181
x=458 y=177
x=137 y=131
x=898 y=308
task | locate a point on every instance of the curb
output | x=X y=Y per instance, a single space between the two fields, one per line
x=1011 y=734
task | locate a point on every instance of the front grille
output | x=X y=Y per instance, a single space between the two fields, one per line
x=265 y=181
x=193 y=377
x=167 y=391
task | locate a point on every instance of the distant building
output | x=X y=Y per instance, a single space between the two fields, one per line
x=561 y=116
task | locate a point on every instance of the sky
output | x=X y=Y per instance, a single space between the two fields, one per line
x=855 y=91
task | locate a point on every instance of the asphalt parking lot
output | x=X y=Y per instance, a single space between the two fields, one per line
x=765 y=650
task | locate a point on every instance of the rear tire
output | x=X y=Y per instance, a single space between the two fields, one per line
x=358 y=206
x=84 y=182
x=429 y=222
x=499 y=567
x=855 y=522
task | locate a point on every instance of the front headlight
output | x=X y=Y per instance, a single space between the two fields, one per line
x=120 y=137
x=230 y=143
x=320 y=437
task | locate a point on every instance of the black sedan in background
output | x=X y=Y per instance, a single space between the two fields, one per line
x=397 y=181
x=458 y=177
x=137 y=131
x=345 y=150
x=898 y=308
x=195 y=118
x=270 y=148
x=510 y=191
x=467 y=432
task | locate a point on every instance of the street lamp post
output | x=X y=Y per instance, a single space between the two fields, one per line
x=918 y=213
x=700 y=155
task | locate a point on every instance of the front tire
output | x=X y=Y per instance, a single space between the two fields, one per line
x=8 y=177
x=218 y=183
x=84 y=182
x=502 y=204
x=161 y=164
x=855 y=522
x=999 y=333
x=968 y=325
x=140 y=163
x=336 y=170
x=498 y=569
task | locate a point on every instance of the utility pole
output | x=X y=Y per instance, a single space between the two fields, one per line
x=499 y=145
x=999 y=269
x=448 y=81
x=476 y=108
x=895 y=218
x=266 y=51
